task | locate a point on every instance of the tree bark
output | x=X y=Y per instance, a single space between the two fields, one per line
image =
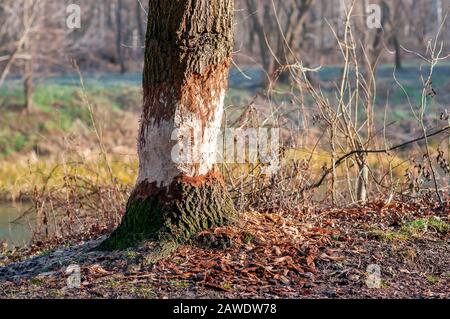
x=29 y=66
x=28 y=82
x=139 y=22
x=258 y=30
x=187 y=59
x=363 y=177
x=119 y=30
x=398 y=53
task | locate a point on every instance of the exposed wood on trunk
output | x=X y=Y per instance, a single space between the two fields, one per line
x=195 y=39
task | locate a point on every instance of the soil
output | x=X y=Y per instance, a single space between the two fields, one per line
x=305 y=254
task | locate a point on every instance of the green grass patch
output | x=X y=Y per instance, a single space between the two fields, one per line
x=415 y=229
x=424 y=225
x=432 y=279
x=56 y=109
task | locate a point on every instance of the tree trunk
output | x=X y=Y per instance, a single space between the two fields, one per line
x=27 y=48
x=398 y=53
x=119 y=30
x=439 y=14
x=28 y=83
x=363 y=177
x=139 y=22
x=258 y=30
x=187 y=59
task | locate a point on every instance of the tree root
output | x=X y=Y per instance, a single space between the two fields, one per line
x=169 y=223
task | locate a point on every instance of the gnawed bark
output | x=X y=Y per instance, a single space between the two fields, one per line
x=188 y=54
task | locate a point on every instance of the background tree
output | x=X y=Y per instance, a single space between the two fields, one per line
x=119 y=36
x=279 y=29
x=29 y=15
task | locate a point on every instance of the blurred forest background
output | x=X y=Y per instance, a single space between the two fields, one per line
x=112 y=33
x=70 y=102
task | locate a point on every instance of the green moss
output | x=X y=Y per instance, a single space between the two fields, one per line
x=181 y=284
x=248 y=238
x=420 y=226
x=432 y=279
x=414 y=229
x=144 y=219
x=143 y=292
x=391 y=236
x=169 y=224
x=438 y=225
x=227 y=286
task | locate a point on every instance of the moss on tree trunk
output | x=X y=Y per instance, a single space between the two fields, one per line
x=172 y=221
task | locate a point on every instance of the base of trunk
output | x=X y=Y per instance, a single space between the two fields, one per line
x=171 y=217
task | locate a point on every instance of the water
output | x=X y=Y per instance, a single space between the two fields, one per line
x=14 y=233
